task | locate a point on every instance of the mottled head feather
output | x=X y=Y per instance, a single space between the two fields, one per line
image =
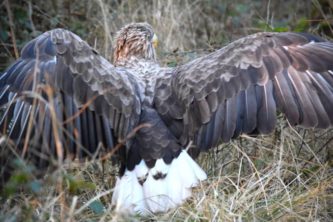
x=134 y=41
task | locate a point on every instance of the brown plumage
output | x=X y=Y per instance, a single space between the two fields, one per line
x=237 y=89
x=130 y=44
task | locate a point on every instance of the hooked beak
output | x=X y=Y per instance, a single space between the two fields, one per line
x=155 y=41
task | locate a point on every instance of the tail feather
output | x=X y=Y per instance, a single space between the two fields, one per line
x=158 y=189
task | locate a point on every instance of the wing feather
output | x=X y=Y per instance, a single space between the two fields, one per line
x=286 y=97
x=93 y=101
x=239 y=88
x=308 y=115
x=230 y=117
x=219 y=120
x=68 y=123
x=250 y=112
x=266 y=116
x=42 y=134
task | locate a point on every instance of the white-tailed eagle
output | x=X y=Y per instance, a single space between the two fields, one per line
x=80 y=103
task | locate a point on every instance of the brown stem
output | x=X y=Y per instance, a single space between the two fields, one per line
x=11 y=26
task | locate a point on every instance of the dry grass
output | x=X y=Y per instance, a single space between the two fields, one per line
x=283 y=177
x=286 y=176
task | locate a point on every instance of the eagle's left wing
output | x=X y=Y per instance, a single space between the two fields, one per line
x=238 y=88
x=62 y=94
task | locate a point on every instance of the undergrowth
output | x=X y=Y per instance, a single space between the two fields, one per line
x=285 y=176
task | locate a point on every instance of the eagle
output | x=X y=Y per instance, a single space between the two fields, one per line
x=62 y=98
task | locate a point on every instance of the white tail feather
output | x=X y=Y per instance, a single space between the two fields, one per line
x=128 y=194
x=157 y=195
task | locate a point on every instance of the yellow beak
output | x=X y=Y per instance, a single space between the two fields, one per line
x=155 y=41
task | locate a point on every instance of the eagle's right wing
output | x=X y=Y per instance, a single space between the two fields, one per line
x=61 y=92
x=239 y=88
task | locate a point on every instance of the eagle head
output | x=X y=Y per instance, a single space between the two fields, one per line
x=135 y=40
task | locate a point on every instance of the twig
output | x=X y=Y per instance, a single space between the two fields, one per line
x=34 y=106
x=11 y=26
x=318 y=6
x=30 y=11
x=106 y=27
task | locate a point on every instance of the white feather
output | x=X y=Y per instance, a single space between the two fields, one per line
x=160 y=167
x=128 y=194
x=157 y=195
x=178 y=191
x=195 y=168
x=141 y=170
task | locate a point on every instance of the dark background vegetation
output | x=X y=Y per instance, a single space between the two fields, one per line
x=285 y=176
x=182 y=26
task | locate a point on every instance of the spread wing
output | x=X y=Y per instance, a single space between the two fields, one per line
x=239 y=88
x=61 y=83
